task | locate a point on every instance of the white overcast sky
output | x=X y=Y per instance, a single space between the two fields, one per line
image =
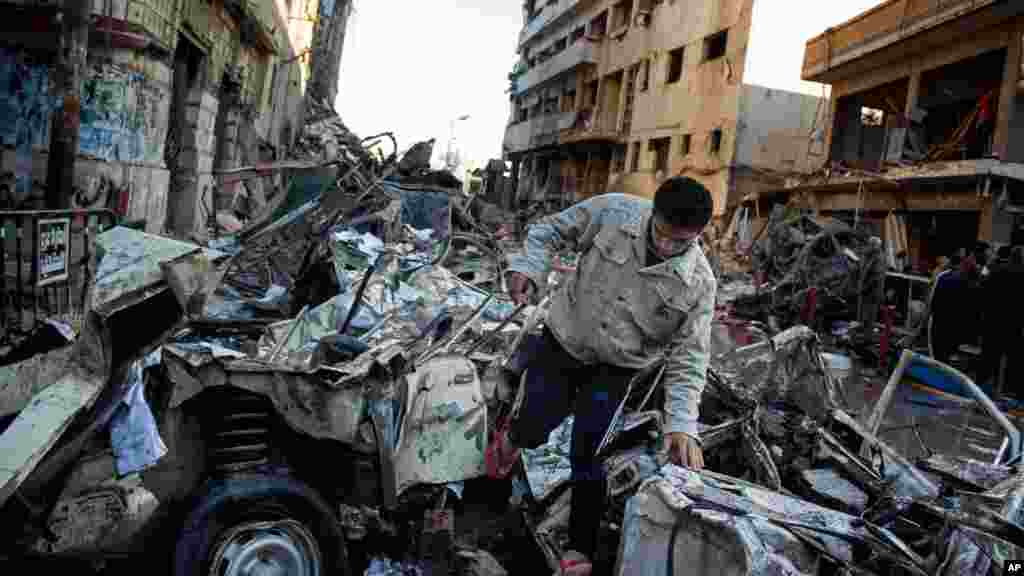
x=410 y=66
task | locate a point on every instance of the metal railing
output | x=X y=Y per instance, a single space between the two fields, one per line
x=45 y=266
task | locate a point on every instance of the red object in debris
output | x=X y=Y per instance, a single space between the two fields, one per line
x=123 y=199
x=985 y=109
x=883 y=344
x=810 y=305
x=758 y=279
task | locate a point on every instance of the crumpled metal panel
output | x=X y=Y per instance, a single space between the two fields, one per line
x=129 y=271
x=304 y=401
x=727 y=526
x=657 y=524
x=787 y=368
x=20 y=382
x=444 y=430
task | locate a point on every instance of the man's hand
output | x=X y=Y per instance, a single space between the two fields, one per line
x=684 y=451
x=520 y=288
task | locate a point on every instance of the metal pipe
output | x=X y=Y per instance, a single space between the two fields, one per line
x=1014 y=437
x=357 y=301
x=497 y=330
x=446 y=342
x=291 y=330
x=922 y=481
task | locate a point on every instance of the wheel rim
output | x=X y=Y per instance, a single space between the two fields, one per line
x=277 y=548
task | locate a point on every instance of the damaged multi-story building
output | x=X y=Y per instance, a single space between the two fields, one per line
x=152 y=96
x=924 y=135
x=616 y=96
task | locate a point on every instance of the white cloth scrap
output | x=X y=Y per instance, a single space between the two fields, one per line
x=134 y=436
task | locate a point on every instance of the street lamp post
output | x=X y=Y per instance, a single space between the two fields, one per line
x=449 y=160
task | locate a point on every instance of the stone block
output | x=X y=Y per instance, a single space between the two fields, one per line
x=156 y=211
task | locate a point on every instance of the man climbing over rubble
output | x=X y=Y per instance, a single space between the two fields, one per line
x=643 y=292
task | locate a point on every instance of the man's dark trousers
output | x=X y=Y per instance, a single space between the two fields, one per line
x=558 y=385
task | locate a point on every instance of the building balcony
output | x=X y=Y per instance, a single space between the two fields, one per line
x=593 y=126
x=537 y=132
x=884 y=26
x=580 y=52
x=550 y=14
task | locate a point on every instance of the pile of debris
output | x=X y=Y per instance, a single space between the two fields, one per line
x=795 y=483
x=330 y=374
x=811 y=270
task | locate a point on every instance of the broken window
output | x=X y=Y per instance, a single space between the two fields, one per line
x=660 y=148
x=715 y=45
x=716 y=140
x=569 y=101
x=619 y=159
x=551 y=105
x=523 y=114
x=675 y=66
x=559 y=45
x=591 y=94
x=635 y=162
x=577 y=34
x=621 y=13
x=645 y=75
x=684 y=147
x=599 y=25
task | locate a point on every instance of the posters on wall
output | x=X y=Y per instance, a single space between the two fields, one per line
x=53 y=250
x=121 y=117
x=25 y=108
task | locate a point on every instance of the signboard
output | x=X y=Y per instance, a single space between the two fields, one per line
x=53 y=252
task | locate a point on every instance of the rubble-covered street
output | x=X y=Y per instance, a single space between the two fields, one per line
x=355 y=341
x=238 y=338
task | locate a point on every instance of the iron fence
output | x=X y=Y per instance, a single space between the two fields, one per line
x=46 y=266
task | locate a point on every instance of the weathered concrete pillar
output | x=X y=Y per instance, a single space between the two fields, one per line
x=1008 y=92
x=64 y=140
x=913 y=92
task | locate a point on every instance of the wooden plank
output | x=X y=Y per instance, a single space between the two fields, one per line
x=38 y=427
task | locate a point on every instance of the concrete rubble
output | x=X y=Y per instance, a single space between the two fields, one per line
x=351 y=347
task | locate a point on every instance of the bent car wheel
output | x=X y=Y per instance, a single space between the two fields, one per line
x=271 y=547
x=238 y=531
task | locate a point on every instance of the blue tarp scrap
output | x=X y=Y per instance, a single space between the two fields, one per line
x=134 y=436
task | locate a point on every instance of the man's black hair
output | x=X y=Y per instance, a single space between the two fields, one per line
x=683 y=202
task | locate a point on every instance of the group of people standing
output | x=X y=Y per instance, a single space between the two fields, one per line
x=971 y=301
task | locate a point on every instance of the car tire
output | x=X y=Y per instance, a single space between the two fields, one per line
x=239 y=525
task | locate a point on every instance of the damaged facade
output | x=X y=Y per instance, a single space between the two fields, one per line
x=171 y=90
x=924 y=134
x=617 y=96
